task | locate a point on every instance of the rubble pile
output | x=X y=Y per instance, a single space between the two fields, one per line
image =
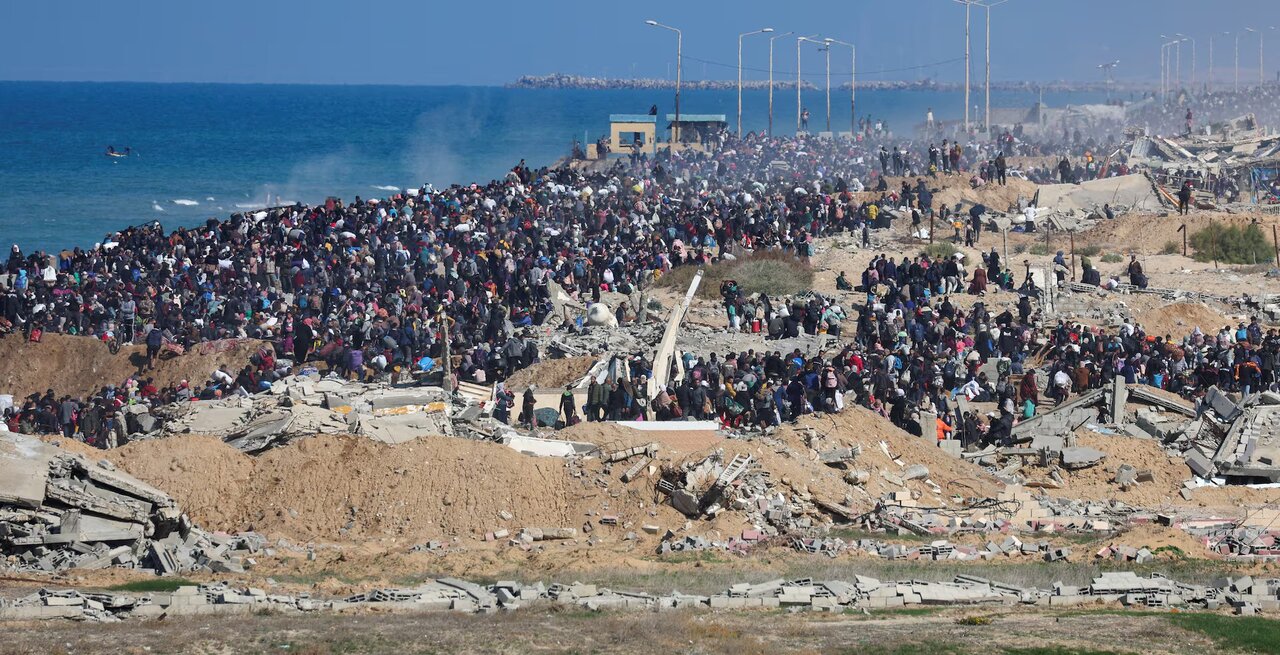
x=306 y=404
x=1225 y=440
x=1246 y=595
x=60 y=511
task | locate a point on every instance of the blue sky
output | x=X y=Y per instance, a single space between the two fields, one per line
x=486 y=43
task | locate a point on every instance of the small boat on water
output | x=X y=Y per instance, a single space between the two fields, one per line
x=112 y=152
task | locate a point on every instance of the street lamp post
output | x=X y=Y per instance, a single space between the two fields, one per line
x=740 y=37
x=799 y=108
x=1261 y=76
x=987 y=117
x=966 y=4
x=1166 y=73
x=1193 y=62
x=1237 y=82
x=771 y=40
x=1210 y=83
x=675 y=129
x=853 y=86
x=827 y=49
x=1177 y=54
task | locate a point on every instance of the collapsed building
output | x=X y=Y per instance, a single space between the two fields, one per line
x=58 y=510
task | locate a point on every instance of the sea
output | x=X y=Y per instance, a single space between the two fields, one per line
x=211 y=150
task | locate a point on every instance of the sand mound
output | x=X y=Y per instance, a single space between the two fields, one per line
x=867 y=429
x=332 y=488
x=1148 y=233
x=207 y=477
x=82 y=365
x=1178 y=319
x=996 y=197
x=1096 y=482
x=551 y=373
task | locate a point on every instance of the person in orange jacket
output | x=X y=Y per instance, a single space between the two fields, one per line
x=944 y=428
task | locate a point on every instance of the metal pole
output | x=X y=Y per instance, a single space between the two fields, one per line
x=1193 y=64
x=1164 y=90
x=1276 y=240
x=740 y=73
x=986 y=120
x=679 y=70
x=1261 y=79
x=1237 y=82
x=740 y=86
x=853 y=90
x=1177 y=66
x=798 y=83
x=1209 y=87
x=828 y=49
x=966 y=65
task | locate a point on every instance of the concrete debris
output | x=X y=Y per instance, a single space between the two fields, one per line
x=1247 y=596
x=59 y=511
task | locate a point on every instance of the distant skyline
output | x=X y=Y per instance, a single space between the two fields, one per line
x=492 y=43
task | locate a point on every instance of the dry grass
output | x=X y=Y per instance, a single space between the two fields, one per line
x=772 y=272
x=540 y=629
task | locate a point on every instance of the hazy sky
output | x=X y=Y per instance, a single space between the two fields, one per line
x=492 y=42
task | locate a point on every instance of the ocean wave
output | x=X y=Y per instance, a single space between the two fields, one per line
x=386 y=187
x=185 y=202
x=250 y=205
x=156 y=206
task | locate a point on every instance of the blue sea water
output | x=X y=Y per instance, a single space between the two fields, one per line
x=209 y=150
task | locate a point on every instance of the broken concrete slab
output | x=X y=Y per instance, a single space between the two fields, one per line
x=1078 y=457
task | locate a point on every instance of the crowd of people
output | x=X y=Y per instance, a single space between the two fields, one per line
x=379 y=287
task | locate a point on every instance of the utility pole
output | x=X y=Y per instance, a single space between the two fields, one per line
x=987 y=118
x=853 y=86
x=1236 y=88
x=1209 y=86
x=827 y=48
x=771 y=40
x=740 y=37
x=799 y=107
x=675 y=129
x=966 y=66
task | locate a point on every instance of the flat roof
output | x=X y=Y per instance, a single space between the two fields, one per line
x=698 y=118
x=632 y=118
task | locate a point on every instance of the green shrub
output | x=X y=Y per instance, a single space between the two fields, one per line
x=939 y=250
x=1112 y=258
x=773 y=272
x=1020 y=248
x=1170 y=248
x=1038 y=249
x=1230 y=244
x=1089 y=251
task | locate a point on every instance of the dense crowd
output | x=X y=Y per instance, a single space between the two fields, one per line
x=375 y=287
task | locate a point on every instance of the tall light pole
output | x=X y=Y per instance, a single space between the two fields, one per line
x=1261 y=77
x=1210 y=84
x=1166 y=72
x=740 y=37
x=1193 y=62
x=675 y=129
x=1237 y=83
x=1177 y=53
x=966 y=4
x=1108 y=70
x=1168 y=68
x=853 y=86
x=771 y=40
x=988 y=5
x=799 y=107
